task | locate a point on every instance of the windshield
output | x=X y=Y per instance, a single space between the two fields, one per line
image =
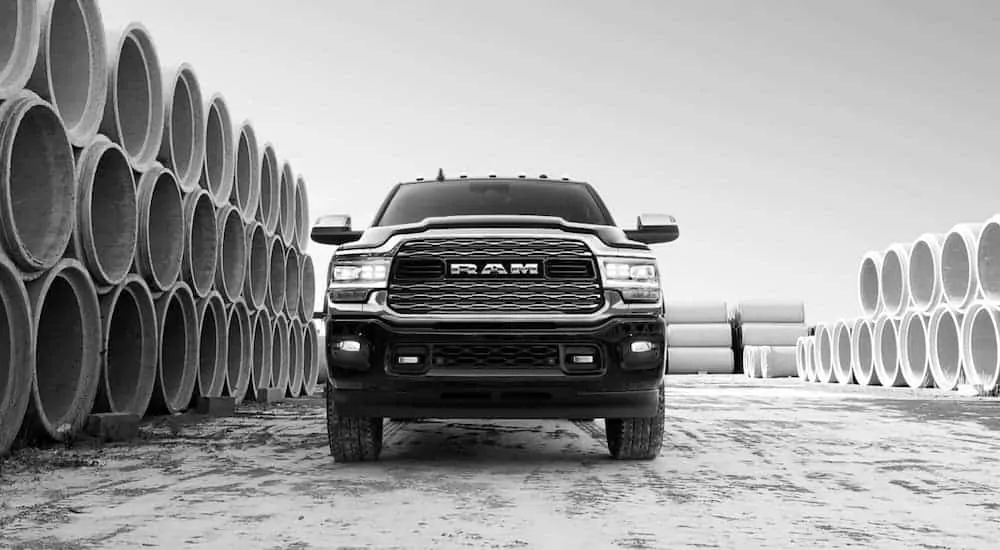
x=413 y=202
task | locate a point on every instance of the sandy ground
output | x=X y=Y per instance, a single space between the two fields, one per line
x=762 y=464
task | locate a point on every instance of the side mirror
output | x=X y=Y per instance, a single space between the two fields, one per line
x=654 y=229
x=335 y=230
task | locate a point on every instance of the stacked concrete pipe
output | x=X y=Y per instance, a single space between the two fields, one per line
x=263 y=331
x=182 y=148
x=129 y=351
x=201 y=242
x=287 y=226
x=134 y=110
x=980 y=345
x=293 y=280
x=160 y=246
x=914 y=358
x=20 y=22
x=863 y=352
x=944 y=343
x=240 y=368
x=307 y=289
x=268 y=209
x=296 y=366
x=777 y=361
x=177 y=365
x=17 y=370
x=219 y=167
x=894 y=280
x=231 y=271
x=925 y=271
x=960 y=266
x=302 y=212
x=247 y=171
x=280 y=354
x=869 y=284
x=213 y=346
x=258 y=267
x=840 y=358
x=886 y=347
x=276 y=277
x=310 y=357
x=823 y=354
x=699 y=338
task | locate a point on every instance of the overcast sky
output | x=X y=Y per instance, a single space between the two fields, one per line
x=788 y=137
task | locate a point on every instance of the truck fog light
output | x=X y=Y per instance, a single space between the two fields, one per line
x=641 y=346
x=583 y=359
x=408 y=360
x=349 y=345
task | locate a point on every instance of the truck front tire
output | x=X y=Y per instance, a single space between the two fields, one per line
x=637 y=438
x=352 y=438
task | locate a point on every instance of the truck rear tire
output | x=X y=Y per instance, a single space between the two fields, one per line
x=352 y=438
x=637 y=438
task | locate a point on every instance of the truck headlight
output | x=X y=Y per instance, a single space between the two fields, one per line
x=638 y=280
x=354 y=277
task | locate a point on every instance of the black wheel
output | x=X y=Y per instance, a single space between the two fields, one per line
x=352 y=438
x=637 y=438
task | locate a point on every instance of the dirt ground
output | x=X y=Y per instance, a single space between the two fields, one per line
x=746 y=464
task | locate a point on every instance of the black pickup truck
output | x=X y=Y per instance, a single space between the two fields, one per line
x=494 y=298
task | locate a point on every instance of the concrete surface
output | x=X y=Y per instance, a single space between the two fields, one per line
x=747 y=464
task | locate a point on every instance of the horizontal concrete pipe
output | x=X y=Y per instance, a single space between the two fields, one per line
x=37 y=187
x=71 y=70
x=276 y=277
x=696 y=360
x=160 y=247
x=201 y=243
x=777 y=362
x=696 y=312
x=240 y=362
x=771 y=311
x=258 y=267
x=179 y=342
x=268 y=206
x=801 y=363
x=310 y=357
x=751 y=361
x=182 y=147
x=894 y=280
x=925 y=272
x=66 y=327
x=129 y=348
x=981 y=345
x=869 y=284
x=840 y=351
x=247 y=171
x=988 y=260
x=302 y=212
x=219 y=166
x=772 y=333
x=280 y=354
x=886 y=348
x=307 y=289
x=959 y=265
x=707 y=335
x=287 y=224
x=914 y=359
x=944 y=342
x=134 y=112
x=293 y=280
x=17 y=369
x=823 y=354
x=263 y=337
x=322 y=369
x=232 y=253
x=296 y=364
x=213 y=347
x=20 y=24
x=863 y=352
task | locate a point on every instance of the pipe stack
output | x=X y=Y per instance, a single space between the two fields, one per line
x=136 y=232
x=699 y=338
x=771 y=330
x=930 y=315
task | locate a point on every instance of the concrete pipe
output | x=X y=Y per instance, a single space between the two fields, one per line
x=276 y=277
x=863 y=352
x=213 y=346
x=182 y=147
x=981 y=345
x=179 y=343
x=810 y=352
x=771 y=311
x=129 y=351
x=246 y=182
x=988 y=260
x=696 y=312
x=959 y=265
x=17 y=368
x=800 y=357
x=37 y=188
x=240 y=365
x=869 y=285
x=914 y=359
x=714 y=335
x=268 y=208
x=886 y=347
x=695 y=360
x=296 y=363
x=263 y=335
x=944 y=342
x=319 y=329
x=280 y=355
x=302 y=205
x=232 y=253
x=133 y=111
x=307 y=290
x=201 y=242
x=288 y=227
x=777 y=362
x=310 y=358
x=219 y=167
x=107 y=217
x=20 y=25
x=840 y=340
x=293 y=278
x=925 y=272
x=894 y=280
x=751 y=365
x=258 y=267
x=71 y=70
x=66 y=322
x=159 y=250
x=772 y=334
x=823 y=354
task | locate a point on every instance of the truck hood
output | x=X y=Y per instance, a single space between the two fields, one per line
x=609 y=235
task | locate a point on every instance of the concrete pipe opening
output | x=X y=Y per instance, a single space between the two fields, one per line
x=17 y=355
x=72 y=70
x=240 y=368
x=959 y=265
x=37 y=186
x=810 y=352
x=263 y=332
x=869 y=286
x=981 y=339
x=160 y=249
x=310 y=360
x=988 y=260
x=280 y=354
x=182 y=148
x=213 y=346
x=925 y=272
x=307 y=288
x=232 y=268
x=258 y=267
x=67 y=326
x=19 y=38
x=287 y=227
x=945 y=347
x=128 y=371
x=220 y=153
x=296 y=367
x=800 y=359
x=269 y=191
x=303 y=213
x=886 y=348
x=276 y=278
x=914 y=359
x=201 y=242
x=247 y=171
x=133 y=112
x=177 y=370
x=293 y=278
x=894 y=280
x=841 y=352
x=863 y=353
x=824 y=354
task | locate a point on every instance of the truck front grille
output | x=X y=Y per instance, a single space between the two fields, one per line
x=495 y=275
x=496 y=356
